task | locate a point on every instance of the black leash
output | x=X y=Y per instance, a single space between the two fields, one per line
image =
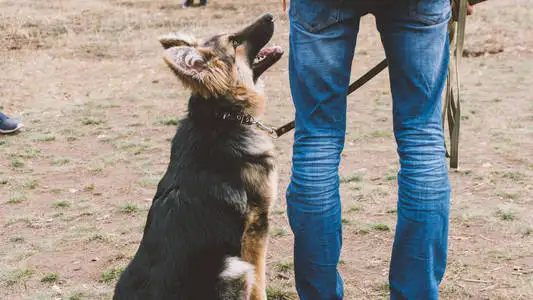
x=277 y=132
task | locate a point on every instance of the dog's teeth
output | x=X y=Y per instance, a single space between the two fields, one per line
x=259 y=59
x=264 y=54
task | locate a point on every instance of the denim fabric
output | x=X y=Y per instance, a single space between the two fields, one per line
x=322 y=41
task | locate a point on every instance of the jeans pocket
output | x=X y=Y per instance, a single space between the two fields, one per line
x=315 y=15
x=431 y=12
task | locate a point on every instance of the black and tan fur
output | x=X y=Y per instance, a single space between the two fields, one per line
x=206 y=232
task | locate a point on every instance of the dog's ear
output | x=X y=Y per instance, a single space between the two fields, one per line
x=187 y=62
x=177 y=39
x=197 y=68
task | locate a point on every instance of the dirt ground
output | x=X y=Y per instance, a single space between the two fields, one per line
x=99 y=107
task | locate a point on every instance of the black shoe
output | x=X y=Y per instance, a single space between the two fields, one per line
x=187 y=4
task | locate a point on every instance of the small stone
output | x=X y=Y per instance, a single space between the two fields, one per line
x=56 y=289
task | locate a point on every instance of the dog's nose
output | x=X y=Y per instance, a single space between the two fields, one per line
x=268 y=17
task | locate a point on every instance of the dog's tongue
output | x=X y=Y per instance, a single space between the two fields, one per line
x=267 y=52
x=265 y=59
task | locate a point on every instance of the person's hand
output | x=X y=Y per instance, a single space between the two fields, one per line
x=469 y=7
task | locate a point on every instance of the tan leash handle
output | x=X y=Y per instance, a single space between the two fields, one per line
x=452 y=106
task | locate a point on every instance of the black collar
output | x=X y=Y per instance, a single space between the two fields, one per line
x=222 y=110
x=242 y=118
x=235 y=117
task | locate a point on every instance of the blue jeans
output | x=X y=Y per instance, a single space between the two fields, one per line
x=322 y=40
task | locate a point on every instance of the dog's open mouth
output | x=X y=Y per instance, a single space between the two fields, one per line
x=265 y=59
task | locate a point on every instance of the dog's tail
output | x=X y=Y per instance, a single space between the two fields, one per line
x=236 y=279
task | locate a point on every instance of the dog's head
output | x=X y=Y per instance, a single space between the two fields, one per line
x=225 y=63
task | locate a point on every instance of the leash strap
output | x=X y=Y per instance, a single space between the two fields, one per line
x=367 y=76
x=452 y=106
x=352 y=88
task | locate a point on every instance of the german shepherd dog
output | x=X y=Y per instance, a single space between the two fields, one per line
x=206 y=232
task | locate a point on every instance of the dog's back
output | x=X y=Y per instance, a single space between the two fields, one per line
x=196 y=221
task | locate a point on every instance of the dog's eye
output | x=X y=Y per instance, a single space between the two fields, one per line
x=235 y=43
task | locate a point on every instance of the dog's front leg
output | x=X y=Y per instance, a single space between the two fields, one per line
x=261 y=192
x=253 y=249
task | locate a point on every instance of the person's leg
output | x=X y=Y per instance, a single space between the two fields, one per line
x=322 y=42
x=416 y=43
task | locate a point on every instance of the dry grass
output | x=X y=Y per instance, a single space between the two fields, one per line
x=100 y=107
